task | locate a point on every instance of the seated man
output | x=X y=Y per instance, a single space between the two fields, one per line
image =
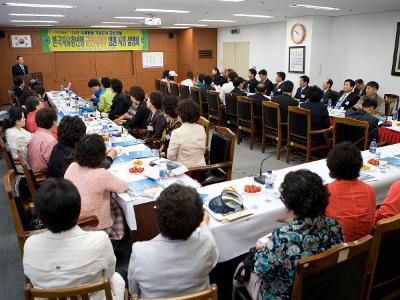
x=319 y=112
x=279 y=78
x=285 y=100
x=258 y=99
x=328 y=93
x=252 y=82
x=206 y=86
x=359 y=88
x=371 y=93
x=65 y=256
x=346 y=98
x=18 y=86
x=97 y=90
x=366 y=113
x=302 y=90
x=238 y=84
x=177 y=261
x=264 y=79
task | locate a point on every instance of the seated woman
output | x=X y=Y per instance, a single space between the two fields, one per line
x=43 y=141
x=170 y=114
x=32 y=104
x=183 y=252
x=188 y=142
x=65 y=256
x=120 y=103
x=309 y=233
x=391 y=205
x=139 y=119
x=16 y=136
x=95 y=184
x=351 y=201
x=156 y=121
x=70 y=130
x=41 y=92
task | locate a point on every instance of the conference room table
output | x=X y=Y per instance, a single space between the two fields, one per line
x=237 y=237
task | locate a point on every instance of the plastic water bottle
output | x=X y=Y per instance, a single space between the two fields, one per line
x=329 y=103
x=395 y=115
x=269 y=181
x=372 y=147
x=163 y=171
x=113 y=141
x=61 y=88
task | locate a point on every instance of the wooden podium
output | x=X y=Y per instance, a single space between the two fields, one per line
x=38 y=76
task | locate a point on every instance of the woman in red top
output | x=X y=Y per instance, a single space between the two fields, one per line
x=351 y=202
x=391 y=205
x=33 y=104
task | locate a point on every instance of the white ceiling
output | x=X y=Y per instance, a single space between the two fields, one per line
x=93 y=12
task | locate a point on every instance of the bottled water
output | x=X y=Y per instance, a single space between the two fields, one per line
x=329 y=103
x=269 y=181
x=163 y=170
x=372 y=147
x=395 y=115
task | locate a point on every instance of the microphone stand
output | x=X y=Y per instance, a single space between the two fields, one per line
x=261 y=178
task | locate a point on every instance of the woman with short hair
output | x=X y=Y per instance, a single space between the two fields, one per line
x=156 y=122
x=173 y=122
x=184 y=252
x=95 y=184
x=188 y=143
x=309 y=233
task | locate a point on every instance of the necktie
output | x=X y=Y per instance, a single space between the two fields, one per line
x=339 y=103
x=23 y=69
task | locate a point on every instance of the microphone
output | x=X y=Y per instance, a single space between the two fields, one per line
x=261 y=178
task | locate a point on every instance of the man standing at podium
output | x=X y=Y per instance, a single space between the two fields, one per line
x=19 y=69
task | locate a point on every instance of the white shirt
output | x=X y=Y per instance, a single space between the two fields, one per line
x=17 y=140
x=225 y=89
x=72 y=258
x=169 y=268
x=188 y=145
x=188 y=82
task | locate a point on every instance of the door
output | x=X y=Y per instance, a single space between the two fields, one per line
x=236 y=57
x=229 y=55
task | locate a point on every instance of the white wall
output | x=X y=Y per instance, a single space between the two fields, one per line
x=362 y=47
x=358 y=46
x=267 y=45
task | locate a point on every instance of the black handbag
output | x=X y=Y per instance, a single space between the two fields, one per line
x=244 y=271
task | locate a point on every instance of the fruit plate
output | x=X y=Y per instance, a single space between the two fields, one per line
x=261 y=188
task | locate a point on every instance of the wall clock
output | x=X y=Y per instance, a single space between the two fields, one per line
x=298 y=33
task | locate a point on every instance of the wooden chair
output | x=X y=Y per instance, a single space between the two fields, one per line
x=184 y=91
x=231 y=109
x=391 y=103
x=351 y=130
x=383 y=266
x=338 y=273
x=219 y=167
x=32 y=179
x=11 y=163
x=211 y=293
x=81 y=292
x=246 y=119
x=145 y=222
x=273 y=128
x=163 y=88
x=14 y=101
x=157 y=84
x=174 y=89
x=197 y=96
x=300 y=134
x=206 y=124
x=214 y=107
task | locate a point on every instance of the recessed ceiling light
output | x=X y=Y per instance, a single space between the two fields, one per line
x=231 y=0
x=40 y=5
x=32 y=21
x=191 y=25
x=131 y=18
x=162 y=10
x=108 y=26
x=31 y=25
x=121 y=23
x=37 y=15
x=222 y=21
x=314 y=7
x=174 y=27
x=252 y=16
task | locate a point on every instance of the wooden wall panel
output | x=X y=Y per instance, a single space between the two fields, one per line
x=78 y=67
x=204 y=39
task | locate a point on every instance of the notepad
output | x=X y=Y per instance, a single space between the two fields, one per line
x=126 y=157
x=141 y=187
x=130 y=143
x=394 y=160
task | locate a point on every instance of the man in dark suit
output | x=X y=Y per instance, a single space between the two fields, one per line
x=328 y=93
x=258 y=98
x=285 y=99
x=279 y=79
x=366 y=113
x=359 y=88
x=206 y=87
x=18 y=87
x=19 y=69
x=264 y=79
x=319 y=112
x=346 y=98
x=252 y=82
x=302 y=90
x=238 y=84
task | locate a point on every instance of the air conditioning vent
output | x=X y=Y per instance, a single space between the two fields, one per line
x=205 y=54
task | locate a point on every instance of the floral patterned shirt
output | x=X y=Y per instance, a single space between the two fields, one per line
x=276 y=263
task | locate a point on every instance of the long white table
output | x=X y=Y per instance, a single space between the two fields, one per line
x=235 y=238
